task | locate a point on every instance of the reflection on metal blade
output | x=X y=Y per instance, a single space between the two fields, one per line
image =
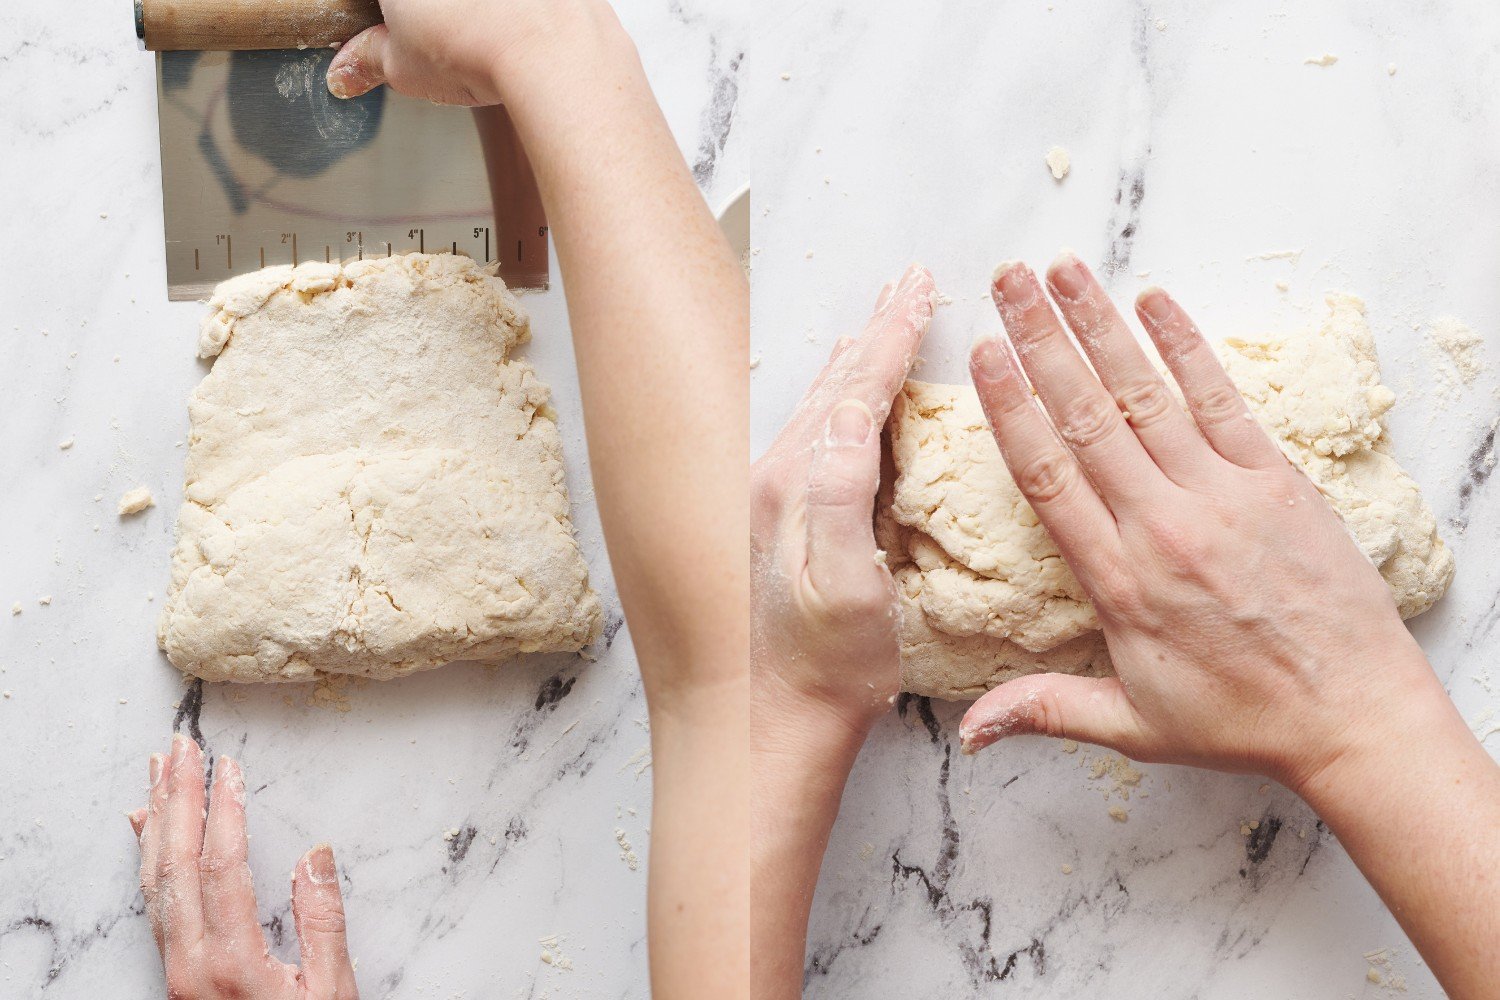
x=261 y=165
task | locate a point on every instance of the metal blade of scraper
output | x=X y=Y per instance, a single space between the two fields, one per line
x=261 y=165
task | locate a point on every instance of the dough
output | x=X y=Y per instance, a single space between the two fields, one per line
x=986 y=596
x=372 y=486
x=134 y=501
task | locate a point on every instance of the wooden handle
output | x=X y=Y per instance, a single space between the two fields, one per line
x=229 y=25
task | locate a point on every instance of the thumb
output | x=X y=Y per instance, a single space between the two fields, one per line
x=1089 y=709
x=841 y=489
x=318 y=912
x=359 y=66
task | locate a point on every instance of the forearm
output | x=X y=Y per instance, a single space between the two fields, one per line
x=1419 y=812
x=660 y=317
x=800 y=761
x=698 y=904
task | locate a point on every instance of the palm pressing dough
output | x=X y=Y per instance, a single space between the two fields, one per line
x=985 y=595
x=373 y=486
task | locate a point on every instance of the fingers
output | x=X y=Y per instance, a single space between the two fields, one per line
x=181 y=845
x=359 y=66
x=1085 y=414
x=229 y=915
x=1044 y=470
x=881 y=359
x=1159 y=423
x=1213 y=400
x=840 y=503
x=151 y=832
x=872 y=368
x=318 y=910
x=1089 y=709
x=137 y=822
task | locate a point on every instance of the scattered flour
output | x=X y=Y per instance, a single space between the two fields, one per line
x=1325 y=60
x=1457 y=352
x=552 y=953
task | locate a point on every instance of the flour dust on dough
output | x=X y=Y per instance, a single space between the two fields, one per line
x=985 y=594
x=373 y=486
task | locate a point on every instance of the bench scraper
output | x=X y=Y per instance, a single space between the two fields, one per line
x=261 y=165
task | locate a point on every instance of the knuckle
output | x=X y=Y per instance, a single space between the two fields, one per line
x=1044 y=715
x=835 y=486
x=324 y=922
x=171 y=868
x=1145 y=403
x=1090 y=420
x=1179 y=543
x=1219 y=402
x=1047 y=476
x=224 y=978
x=215 y=867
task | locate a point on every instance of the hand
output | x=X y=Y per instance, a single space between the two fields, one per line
x=824 y=618
x=824 y=621
x=1248 y=631
x=465 y=52
x=199 y=896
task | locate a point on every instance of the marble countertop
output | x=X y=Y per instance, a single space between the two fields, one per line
x=536 y=765
x=1204 y=146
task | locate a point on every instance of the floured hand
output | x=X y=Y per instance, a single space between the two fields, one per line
x=195 y=876
x=1248 y=631
x=465 y=52
x=824 y=619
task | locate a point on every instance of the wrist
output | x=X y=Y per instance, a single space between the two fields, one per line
x=573 y=42
x=797 y=729
x=1409 y=716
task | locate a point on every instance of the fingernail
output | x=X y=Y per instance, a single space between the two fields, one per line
x=179 y=748
x=1014 y=286
x=232 y=779
x=1154 y=304
x=990 y=358
x=339 y=75
x=318 y=863
x=1069 y=278
x=154 y=769
x=850 y=424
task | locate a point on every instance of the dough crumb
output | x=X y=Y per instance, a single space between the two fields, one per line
x=627 y=853
x=1118 y=814
x=1070 y=746
x=786 y=76
x=1325 y=60
x=136 y=500
x=44 y=600
x=755 y=362
x=1161 y=24
x=1059 y=162
x=65 y=445
x=1390 y=70
x=866 y=851
x=15 y=608
x=1067 y=869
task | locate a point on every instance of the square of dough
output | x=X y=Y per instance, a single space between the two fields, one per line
x=985 y=594
x=373 y=486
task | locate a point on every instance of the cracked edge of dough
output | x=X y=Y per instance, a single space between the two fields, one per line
x=247 y=294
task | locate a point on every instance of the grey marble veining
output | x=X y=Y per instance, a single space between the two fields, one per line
x=473 y=811
x=1203 y=146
